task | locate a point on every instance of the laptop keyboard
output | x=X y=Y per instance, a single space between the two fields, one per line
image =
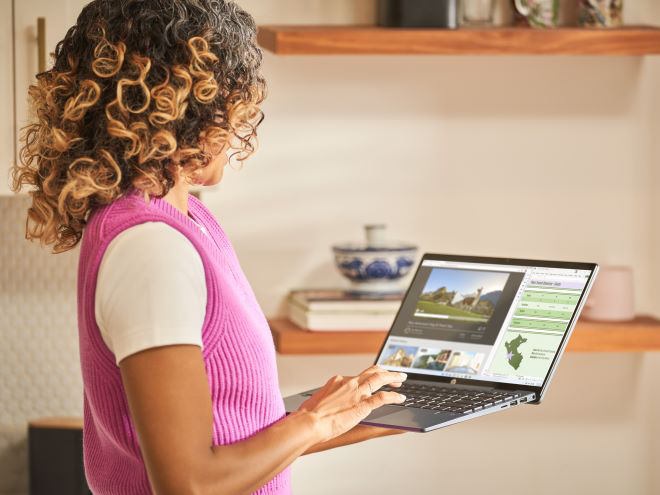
x=450 y=399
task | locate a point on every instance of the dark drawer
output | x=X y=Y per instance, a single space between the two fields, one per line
x=56 y=458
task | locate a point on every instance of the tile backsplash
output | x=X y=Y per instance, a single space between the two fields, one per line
x=39 y=362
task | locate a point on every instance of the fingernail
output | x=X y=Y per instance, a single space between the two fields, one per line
x=403 y=375
x=402 y=397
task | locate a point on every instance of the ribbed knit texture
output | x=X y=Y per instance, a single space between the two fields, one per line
x=239 y=356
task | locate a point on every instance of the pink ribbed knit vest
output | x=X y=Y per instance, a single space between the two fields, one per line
x=239 y=356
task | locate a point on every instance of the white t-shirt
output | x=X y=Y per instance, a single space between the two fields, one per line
x=150 y=290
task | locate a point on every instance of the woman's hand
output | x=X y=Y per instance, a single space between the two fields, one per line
x=345 y=401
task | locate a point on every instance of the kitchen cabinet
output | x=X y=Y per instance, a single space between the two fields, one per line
x=6 y=94
x=37 y=26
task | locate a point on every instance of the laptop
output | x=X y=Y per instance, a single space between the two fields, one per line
x=476 y=336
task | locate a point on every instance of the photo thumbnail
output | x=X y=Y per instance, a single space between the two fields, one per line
x=465 y=362
x=432 y=359
x=399 y=355
x=464 y=295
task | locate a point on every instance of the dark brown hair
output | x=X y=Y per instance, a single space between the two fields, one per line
x=137 y=89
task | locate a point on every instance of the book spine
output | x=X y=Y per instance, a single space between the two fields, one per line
x=340 y=322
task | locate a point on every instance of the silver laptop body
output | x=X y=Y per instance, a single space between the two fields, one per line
x=476 y=336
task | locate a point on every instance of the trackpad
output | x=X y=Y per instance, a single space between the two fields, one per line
x=382 y=411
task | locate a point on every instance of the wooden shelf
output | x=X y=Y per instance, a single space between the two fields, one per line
x=370 y=40
x=291 y=339
x=640 y=335
x=57 y=423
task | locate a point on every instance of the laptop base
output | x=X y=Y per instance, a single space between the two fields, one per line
x=415 y=419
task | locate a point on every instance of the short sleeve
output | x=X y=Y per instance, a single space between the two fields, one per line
x=150 y=290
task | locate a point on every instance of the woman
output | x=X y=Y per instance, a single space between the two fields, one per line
x=180 y=387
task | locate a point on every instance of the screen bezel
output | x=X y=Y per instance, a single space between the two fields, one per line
x=539 y=390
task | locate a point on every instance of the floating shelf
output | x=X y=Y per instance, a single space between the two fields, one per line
x=58 y=423
x=370 y=40
x=640 y=335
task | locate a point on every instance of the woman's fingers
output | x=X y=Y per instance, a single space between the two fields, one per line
x=383 y=398
x=374 y=381
x=372 y=369
x=345 y=400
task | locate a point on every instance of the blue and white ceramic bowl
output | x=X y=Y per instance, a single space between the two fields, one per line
x=375 y=267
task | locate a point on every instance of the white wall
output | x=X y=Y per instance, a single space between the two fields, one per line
x=520 y=156
x=529 y=156
x=653 y=364
x=536 y=156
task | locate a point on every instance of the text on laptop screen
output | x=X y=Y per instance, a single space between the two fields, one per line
x=487 y=322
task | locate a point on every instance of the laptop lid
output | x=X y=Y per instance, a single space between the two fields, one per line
x=487 y=321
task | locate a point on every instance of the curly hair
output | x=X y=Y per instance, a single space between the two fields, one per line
x=139 y=91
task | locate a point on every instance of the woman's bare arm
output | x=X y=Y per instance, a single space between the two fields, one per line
x=169 y=400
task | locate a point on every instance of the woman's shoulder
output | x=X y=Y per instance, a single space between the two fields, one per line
x=151 y=235
x=150 y=290
x=126 y=212
x=152 y=247
x=125 y=209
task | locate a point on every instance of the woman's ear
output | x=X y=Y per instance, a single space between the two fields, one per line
x=194 y=178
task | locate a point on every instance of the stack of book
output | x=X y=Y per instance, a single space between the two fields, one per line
x=342 y=310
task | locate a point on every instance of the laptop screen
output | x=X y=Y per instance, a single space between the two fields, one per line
x=487 y=322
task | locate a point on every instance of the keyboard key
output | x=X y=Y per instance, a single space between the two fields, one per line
x=450 y=399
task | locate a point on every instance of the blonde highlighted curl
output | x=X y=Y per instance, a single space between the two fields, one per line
x=139 y=89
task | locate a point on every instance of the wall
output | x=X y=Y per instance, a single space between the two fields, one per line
x=529 y=156
x=549 y=157
x=523 y=156
x=39 y=364
x=653 y=367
